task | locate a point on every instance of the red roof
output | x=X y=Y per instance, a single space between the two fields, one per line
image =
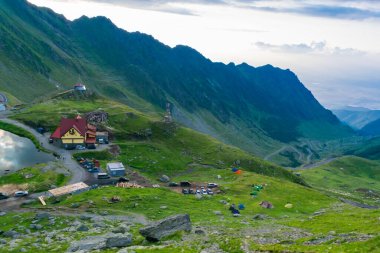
x=78 y=123
x=56 y=134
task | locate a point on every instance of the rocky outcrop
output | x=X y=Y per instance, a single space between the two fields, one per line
x=107 y=241
x=166 y=227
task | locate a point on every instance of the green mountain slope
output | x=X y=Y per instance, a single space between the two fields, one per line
x=372 y=129
x=150 y=145
x=252 y=108
x=350 y=177
x=369 y=149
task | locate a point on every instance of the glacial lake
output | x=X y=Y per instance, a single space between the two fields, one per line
x=17 y=153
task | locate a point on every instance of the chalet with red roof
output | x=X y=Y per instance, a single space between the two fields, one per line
x=75 y=131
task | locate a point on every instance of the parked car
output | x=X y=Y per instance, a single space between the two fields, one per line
x=204 y=192
x=172 y=184
x=212 y=185
x=21 y=193
x=94 y=170
x=123 y=180
x=198 y=191
x=185 y=184
x=103 y=176
x=185 y=191
x=80 y=147
x=91 y=146
x=210 y=192
x=3 y=196
x=191 y=191
x=51 y=140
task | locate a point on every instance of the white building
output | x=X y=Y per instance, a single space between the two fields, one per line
x=116 y=169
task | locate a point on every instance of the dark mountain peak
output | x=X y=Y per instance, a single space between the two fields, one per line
x=100 y=21
x=245 y=65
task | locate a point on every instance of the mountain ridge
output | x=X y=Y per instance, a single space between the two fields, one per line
x=256 y=104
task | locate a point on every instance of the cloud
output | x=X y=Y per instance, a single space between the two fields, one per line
x=170 y=6
x=320 y=47
x=326 y=11
x=342 y=9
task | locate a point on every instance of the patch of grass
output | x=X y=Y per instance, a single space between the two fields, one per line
x=36 y=179
x=352 y=177
x=148 y=201
x=98 y=155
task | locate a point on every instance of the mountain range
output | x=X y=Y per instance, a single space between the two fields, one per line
x=255 y=108
x=357 y=117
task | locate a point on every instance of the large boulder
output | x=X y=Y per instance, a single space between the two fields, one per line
x=101 y=242
x=118 y=240
x=166 y=227
x=164 y=179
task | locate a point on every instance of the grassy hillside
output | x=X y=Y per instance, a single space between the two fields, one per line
x=369 y=149
x=351 y=177
x=372 y=128
x=152 y=148
x=312 y=217
x=147 y=143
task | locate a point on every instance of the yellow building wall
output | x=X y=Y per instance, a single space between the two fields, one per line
x=75 y=138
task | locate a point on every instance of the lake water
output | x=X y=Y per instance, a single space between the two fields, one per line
x=17 y=153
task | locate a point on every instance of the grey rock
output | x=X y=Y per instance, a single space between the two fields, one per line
x=2 y=241
x=107 y=241
x=218 y=213
x=85 y=217
x=35 y=226
x=99 y=225
x=82 y=228
x=11 y=234
x=41 y=216
x=166 y=227
x=259 y=217
x=75 y=205
x=199 y=232
x=2 y=213
x=88 y=244
x=165 y=179
x=22 y=250
x=121 y=230
x=118 y=240
x=317 y=241
x=223 y=202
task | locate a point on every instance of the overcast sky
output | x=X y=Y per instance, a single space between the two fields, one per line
x=332 y=45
